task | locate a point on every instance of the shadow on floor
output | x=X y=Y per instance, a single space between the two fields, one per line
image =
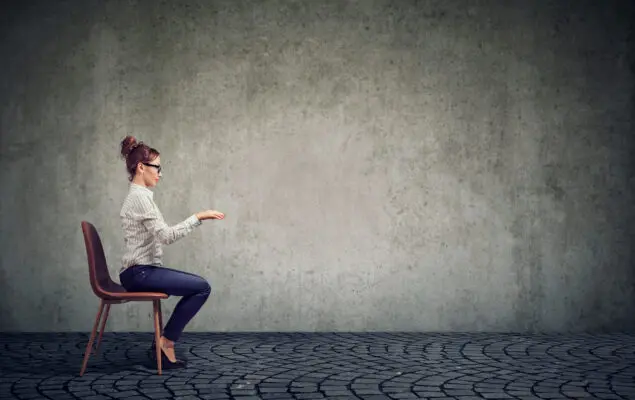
x=71 y=365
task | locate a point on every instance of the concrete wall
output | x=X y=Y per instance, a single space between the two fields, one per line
x=432 y=166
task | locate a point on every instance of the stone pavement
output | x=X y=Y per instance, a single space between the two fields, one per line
x=330 y=365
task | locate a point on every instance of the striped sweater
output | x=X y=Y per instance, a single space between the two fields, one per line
x=144 y=229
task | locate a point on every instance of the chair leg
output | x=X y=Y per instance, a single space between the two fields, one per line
x=157 y=332
x=89 y=345
x=103 y=326
x=160 y=319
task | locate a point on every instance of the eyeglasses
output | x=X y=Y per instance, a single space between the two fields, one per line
x=158 y=167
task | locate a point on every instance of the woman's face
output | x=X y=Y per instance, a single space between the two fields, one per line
x=151 y=172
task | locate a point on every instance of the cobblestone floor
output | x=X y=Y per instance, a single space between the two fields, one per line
x=317 y=366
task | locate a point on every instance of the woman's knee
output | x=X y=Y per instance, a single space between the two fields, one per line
x=204 y=287
x=199 y=284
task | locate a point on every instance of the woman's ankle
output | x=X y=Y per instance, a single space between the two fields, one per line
x=167 y=343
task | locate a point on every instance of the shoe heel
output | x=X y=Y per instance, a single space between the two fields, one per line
x=167 y=364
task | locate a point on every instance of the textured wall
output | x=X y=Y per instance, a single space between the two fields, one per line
x=411 y=166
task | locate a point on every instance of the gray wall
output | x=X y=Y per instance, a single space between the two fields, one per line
x=383 y=165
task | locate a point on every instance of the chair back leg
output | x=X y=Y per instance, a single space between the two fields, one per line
x=103 y=326
x=89 y=345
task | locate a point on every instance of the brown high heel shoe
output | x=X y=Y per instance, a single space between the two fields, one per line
x=165 y=361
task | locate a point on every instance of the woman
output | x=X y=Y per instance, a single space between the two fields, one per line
x=145 y=232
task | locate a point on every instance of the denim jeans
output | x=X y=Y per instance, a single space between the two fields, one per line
x=149 y=278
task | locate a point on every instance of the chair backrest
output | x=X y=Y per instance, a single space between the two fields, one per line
x=99 y=276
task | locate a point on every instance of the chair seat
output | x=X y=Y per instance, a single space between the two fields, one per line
x=114 y=291
x=135 y=296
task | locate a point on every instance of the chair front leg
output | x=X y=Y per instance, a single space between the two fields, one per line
x=160 y=318
x=89 y=345
x=157 y=334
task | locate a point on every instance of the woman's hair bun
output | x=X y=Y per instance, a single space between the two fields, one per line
x=127 y=145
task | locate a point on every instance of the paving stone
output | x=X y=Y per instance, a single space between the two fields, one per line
x=147 y=390
x=494 y=395
x=393 y=391
x=336 y=393
x=182 y=393
x=281 y=389
x=124 y=395
x=237 y=393
x=367 y=391
x=213 y=396
x=277 y=396
x=157 y=396
x=82 y=394
x=405 y=396
x=304 y=389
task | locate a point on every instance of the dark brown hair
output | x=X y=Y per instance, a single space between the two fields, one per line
x=135 y=152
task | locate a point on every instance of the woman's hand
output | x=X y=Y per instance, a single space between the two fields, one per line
x=209 y=214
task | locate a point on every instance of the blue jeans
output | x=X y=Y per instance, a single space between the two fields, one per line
x=149 y=278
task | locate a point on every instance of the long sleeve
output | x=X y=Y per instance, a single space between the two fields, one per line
x=146 y=211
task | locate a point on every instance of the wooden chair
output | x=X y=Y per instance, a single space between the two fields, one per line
x=111 y=293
